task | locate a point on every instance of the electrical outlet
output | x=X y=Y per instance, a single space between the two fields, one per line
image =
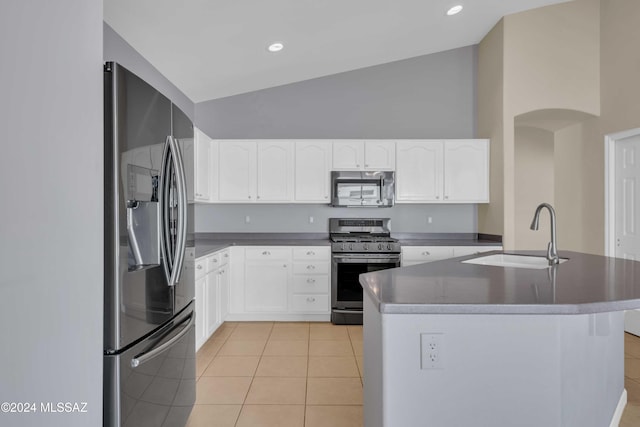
x=431 y=351
x=429 y=220
x=247 y=219
x=310 y=220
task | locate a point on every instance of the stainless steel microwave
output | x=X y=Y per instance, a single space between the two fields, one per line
x=362 y=189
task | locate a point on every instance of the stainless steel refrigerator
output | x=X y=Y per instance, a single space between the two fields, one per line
x=149 y=317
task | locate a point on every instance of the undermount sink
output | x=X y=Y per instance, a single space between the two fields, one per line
x=513 y=261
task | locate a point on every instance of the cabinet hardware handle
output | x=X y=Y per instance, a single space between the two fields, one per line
x=326 y=197
x=446 y=197
x=266 y=253
x=226 y=255
x=366 y=166
x=214 y=260
x=426 y=253
x=311 y=299
x=311 y=267
x=249 y=196
x=437 y=197
x=284 y=265
x=311 y=253
x=258 y=197
x=311 y=280
x=199 y=267
x=357 y=166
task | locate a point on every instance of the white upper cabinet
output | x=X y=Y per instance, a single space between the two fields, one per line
x=237 y=170
x=202 y=172
x=348 y=155
x=364 y=155
x=275 y=171
x=312 y=171
x=437 y=171
x=466 y=170
x=419 y=171
x=380 y=155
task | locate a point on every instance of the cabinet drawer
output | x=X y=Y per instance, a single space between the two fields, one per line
x=310 y=303
x=201 y=267
x=310 y=267
x=267 y=253
x=311 y=284
x=312 y=253
x=223 y=257
x=420 y=254
x=473 y=250
x=213 y=262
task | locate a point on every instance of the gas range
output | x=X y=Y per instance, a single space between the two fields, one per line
x=362 y=235
x=358 y=245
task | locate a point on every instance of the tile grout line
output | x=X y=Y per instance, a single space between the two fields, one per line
x=254 y=374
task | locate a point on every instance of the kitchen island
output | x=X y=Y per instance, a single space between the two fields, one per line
x=455 y=344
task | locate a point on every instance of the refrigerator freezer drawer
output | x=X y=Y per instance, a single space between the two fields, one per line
x=154 y=382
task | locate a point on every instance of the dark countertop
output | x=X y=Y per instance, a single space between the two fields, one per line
x=207 y=243
x=584 y=284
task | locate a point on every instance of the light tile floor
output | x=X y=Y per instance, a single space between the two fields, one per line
x=264 y=374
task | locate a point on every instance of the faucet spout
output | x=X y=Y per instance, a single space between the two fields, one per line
x=552 y=247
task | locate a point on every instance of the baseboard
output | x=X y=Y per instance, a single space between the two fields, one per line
x=617 y=415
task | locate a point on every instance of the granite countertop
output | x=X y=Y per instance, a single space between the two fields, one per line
x=584 y=284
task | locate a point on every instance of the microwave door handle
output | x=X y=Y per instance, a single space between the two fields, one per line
x=164 y=201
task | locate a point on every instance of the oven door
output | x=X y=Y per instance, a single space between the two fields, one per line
x=346 y=291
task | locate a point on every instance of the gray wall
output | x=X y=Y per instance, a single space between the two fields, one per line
x=51 y=218
x=117 y=49
x=431 y=96
x=295 y=218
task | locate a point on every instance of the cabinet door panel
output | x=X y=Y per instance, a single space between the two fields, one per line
x=223 y=282
x=237 y=170
x=202 y=173
x=313 y=171
x=348 y=155
x=211 y=297
x=200 y=312
x=275 y=171
x=266 y=287
x=466 y=168
x=419 y=171
x=380 y=155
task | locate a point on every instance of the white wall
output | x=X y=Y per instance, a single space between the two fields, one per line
x=51 y=215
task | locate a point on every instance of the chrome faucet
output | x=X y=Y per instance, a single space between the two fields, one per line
x=552 y=248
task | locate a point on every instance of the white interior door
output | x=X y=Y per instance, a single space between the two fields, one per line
x=627 y=209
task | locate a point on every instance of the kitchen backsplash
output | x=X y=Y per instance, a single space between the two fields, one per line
x=413 y=218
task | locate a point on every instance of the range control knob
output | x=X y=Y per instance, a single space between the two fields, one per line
x=365 y=246
x=388 y=246
x=350 y=246
x=380 y=246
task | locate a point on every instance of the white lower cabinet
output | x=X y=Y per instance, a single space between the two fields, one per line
x=412 y=255
x=280 y=283
x=211 y=293
x=265 y=286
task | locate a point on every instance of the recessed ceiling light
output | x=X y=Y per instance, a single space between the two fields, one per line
x=454 y=10
x=275 y=47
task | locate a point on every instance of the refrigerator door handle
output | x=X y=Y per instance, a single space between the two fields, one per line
x=149 y=354
x=181 y=227
x=164 y=200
